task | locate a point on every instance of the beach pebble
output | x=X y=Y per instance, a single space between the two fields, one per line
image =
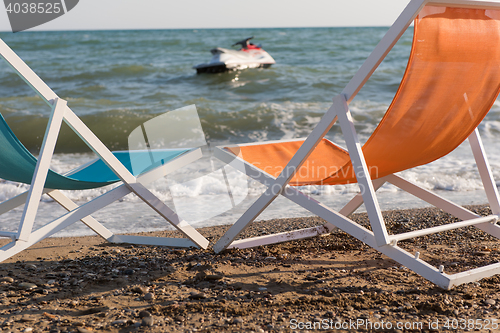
x=26 y=319
x=140 y=289
x=50 y=316
x=384 y=309
x=30 y=267
x=27 y=285
x=147 y=321
x=7 y=279
x=74 y=282
x=329 y=314
x=128 y=272
x=149 y=296
x=490 y=301
x=93 y=310
x=213 y=277
x=28 y=329
x=119 y=322
x=179 y=318
x=83 y=330
x=195 y=295
x=237 y=321
x=144 y=314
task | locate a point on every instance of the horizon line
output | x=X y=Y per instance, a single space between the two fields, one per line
x=227 y=28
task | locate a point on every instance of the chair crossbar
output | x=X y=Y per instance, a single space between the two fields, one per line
x=444 y=227
x=281 y=237
x=89 y=221
x=155 y=241
x=472 y=275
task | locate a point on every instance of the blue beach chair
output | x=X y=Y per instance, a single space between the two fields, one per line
x=134 y=169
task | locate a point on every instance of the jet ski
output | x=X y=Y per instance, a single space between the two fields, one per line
x=249 y=56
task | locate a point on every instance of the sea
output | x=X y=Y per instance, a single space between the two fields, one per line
x=116 y=81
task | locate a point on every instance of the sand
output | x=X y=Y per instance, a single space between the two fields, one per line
x=334 y=282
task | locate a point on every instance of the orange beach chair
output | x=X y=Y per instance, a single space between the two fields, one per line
x=451 y=82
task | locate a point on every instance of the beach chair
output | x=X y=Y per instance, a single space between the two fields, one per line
x=451 y=81
x=134 y=169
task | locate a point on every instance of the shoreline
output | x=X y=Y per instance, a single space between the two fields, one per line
x=84 y=284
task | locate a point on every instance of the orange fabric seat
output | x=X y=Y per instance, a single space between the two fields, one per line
x=272 y=158
x=451 y=82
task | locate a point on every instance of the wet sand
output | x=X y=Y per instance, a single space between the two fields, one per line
x=83 y=284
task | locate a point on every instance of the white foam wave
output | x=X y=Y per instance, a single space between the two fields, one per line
x=455 y=172
x=490 y=129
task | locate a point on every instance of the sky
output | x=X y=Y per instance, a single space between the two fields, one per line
x=190 y=14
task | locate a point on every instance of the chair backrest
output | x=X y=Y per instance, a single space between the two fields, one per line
x=451 y=82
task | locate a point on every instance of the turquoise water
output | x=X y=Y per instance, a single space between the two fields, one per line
x=117 y=80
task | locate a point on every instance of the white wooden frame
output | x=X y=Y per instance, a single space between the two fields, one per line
x=378 y=238
x=25 y=236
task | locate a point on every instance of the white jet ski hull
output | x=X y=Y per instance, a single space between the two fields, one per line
x=224 y=60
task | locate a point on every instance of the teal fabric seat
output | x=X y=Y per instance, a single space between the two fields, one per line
x=18 y=164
